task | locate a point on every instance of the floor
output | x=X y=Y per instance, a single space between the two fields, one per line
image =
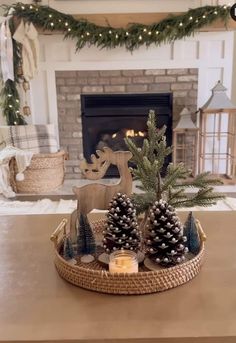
x=65 y=191
x=63 y=200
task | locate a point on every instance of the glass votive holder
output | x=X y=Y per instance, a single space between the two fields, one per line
x=123 y=261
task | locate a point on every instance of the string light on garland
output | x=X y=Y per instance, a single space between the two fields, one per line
x=167 y=31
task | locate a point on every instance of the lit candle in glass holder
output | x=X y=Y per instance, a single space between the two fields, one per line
x=123 y=261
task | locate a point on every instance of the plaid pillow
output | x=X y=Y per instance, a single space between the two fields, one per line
x=35 y=138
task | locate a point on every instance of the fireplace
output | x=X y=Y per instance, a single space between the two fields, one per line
x=108 y=118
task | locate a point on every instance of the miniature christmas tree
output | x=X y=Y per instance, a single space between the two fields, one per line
x=85 y=240
x=165 y=240
x=68 y=252
x=191 y=232
x=149 y=161
x=122 y=227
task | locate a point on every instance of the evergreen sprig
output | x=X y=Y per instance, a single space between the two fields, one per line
x=86 y=33
x=10 y=99
x=132 y=37
x=149 y=161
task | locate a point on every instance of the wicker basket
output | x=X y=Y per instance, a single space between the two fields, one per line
x=45 y=173
x=94 y=277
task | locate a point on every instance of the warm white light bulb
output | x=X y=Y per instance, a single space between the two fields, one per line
x=10 y=106
x=140 y=37
x=9 y=95
x=157 y=32
x=144 y=30
x=15 y=123
x=87 y=33
x=22 y=7
x=117 y=36
x=69 y=29
x=100 y=34
x=17 y=100
x=31 y=7
x=66 y=24
x=149 y=32
x=127 y=33
x=190 y=18
x=215 y=12
x=180 y=24
x=204 y=16
x=50 y=15
x=110 y=32
x=51 y=24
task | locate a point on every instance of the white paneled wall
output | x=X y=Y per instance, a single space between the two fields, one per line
x=127 y=6
x=211 y=53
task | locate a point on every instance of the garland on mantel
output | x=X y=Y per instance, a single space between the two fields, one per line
x=87 y=33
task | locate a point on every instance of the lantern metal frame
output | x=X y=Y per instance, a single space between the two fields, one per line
x=185 y=142
x=217 y=135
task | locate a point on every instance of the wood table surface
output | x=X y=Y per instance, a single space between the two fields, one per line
x=37 y=305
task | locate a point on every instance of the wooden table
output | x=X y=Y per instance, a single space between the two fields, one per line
x=37 y=305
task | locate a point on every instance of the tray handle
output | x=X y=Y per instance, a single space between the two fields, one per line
x=56 y=233
x=200 y=230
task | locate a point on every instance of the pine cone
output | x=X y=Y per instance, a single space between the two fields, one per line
x=122 y=227
x=165 y=240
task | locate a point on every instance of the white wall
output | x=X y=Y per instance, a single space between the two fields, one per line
x=121 y=6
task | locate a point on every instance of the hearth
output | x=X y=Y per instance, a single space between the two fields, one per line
x=108 y=118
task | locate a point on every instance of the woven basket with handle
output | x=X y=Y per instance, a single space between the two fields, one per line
x=45 y=173
x=95 y=277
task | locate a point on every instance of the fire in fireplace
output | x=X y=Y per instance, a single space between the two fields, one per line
x=116 y=141
x=108 y=119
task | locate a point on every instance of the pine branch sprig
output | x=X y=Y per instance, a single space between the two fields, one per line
x=172 y=187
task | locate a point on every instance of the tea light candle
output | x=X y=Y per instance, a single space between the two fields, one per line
x=123 y=261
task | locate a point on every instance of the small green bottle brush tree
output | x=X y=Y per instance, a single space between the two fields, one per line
x=162 y=194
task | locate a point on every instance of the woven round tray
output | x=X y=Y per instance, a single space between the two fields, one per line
x=95 y=277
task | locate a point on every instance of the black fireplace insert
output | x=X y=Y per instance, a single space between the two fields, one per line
x=108 y=118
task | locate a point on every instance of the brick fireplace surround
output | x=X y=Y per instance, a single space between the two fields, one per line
x=182 y=83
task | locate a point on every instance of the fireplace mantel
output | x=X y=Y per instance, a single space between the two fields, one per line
x=210 y=52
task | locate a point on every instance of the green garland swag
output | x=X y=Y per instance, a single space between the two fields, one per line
x=86 y=33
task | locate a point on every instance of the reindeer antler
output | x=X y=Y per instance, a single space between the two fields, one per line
x=97 y=169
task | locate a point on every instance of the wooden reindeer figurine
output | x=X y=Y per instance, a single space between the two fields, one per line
x=98 y=195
